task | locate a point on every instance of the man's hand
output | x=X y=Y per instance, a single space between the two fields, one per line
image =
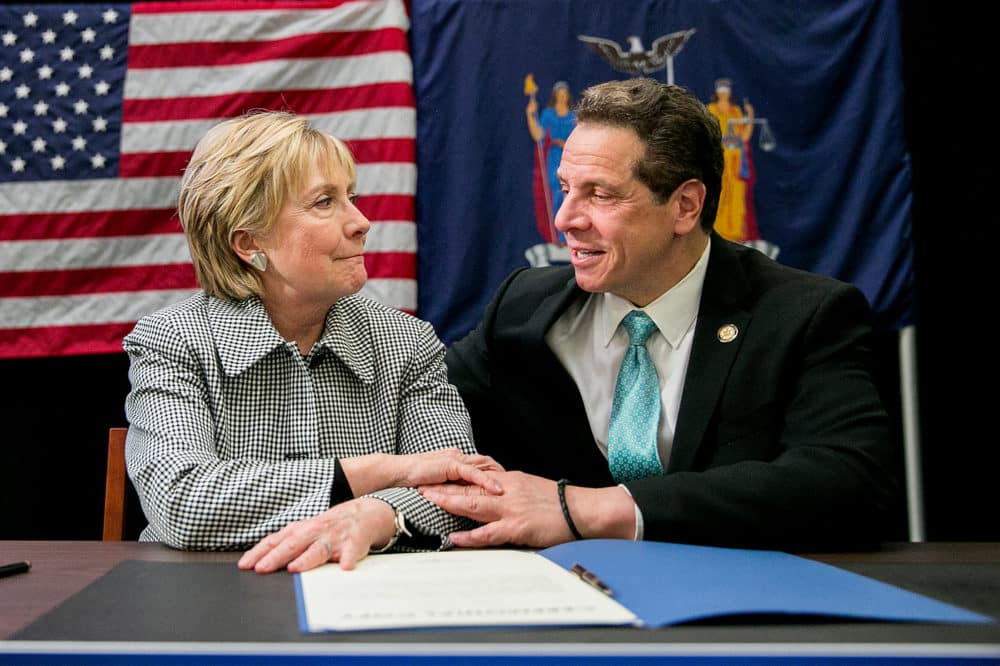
x=527 y=512
x=344 y=533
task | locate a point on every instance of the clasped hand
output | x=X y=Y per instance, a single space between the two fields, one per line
x=346 y=532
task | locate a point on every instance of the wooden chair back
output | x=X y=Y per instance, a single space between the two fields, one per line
x=115 y=483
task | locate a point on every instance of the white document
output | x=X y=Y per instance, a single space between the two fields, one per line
x=451 y=589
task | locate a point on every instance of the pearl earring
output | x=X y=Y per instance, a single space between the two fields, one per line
x=259 y=261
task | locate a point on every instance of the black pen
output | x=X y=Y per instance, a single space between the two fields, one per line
x=589 y=577
x=14 y=568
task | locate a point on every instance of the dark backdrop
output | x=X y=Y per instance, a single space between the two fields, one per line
x=54 y=413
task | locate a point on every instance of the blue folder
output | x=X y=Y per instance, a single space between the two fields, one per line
x=667 y=583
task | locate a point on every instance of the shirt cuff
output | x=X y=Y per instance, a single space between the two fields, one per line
x=640 y=528
x=341 y=490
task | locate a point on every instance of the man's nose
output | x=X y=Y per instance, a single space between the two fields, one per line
x=569 y=215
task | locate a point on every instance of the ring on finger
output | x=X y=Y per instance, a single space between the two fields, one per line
x=326 y=546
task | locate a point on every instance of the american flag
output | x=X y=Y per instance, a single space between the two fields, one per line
x=100 y=107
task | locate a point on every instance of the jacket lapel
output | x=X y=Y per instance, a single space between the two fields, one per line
x=713 y=351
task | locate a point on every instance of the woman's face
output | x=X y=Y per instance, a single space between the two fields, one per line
x=315 y=249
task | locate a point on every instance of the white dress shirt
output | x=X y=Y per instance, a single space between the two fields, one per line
x=590 y=343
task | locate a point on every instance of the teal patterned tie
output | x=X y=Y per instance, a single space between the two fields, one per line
x=635 y=412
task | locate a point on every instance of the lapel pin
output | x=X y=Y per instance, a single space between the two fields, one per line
x=728 y=333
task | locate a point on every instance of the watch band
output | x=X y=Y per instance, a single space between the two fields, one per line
x=400 y=523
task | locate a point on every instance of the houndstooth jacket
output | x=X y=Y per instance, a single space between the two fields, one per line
x=233 y=433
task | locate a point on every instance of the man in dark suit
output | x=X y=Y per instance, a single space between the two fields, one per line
x=749 y=417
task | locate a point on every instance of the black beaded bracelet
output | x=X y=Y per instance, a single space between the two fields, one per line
x=561 y=485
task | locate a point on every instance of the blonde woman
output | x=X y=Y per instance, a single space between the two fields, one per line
x=277 y=410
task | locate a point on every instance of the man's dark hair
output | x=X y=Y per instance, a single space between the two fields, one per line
x=682 y=139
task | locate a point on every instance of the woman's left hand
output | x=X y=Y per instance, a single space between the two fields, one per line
x=344 y=533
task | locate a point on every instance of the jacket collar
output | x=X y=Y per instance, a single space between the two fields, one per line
x=244 y=335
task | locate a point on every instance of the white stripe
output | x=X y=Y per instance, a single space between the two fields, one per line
x=71 y=196
x=76 y=253
x=387 y=236
x=87 y=195
x=397 y=293
x=175 y=135
x=167 y=28
x=61 y=254
x=85 y=309
x=115 y=307
x=269 y=75
x=392 y=178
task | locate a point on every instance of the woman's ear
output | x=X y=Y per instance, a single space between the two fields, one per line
x=689 y=198
x=244 y=245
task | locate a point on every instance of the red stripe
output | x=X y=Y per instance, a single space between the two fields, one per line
x=69 y=282
x=232 y=6
x=388 y=207
x=143 y=222
x=372 y=151
x=217 y=54
x=149 y=165
x=391 y=265
x=88 y=224
x=63 y=340
x=367 y=96
x=366 y=151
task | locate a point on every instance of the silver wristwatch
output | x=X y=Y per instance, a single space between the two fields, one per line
x=400 y=523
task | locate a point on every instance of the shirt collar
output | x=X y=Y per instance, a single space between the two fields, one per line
x=673 y=311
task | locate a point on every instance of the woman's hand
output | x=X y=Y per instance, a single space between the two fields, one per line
x=344 y=533
x=446 y=465
x=366 y=474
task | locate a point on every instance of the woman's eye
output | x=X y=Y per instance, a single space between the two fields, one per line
x=353 y=198
x=324 y=202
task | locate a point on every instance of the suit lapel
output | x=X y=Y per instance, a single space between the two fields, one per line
x=573 y=454
x=713 y=351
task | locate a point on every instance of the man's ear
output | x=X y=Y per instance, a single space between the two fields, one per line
x=244 y=244
x=689 y=198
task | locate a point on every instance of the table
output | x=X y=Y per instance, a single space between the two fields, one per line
x=261 y=624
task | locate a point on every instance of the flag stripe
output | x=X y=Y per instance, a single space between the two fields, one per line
x=66 y=310
x=391 y=264
x=162 y=22
x=70 y=254
x=167 y=163
x=39 y=341
x=75 y=196
x=347 y=125
x=97 y=280
x=319 y=73
x=64 y=266
x=87 y=224
x=220 y=54
x=303 y=101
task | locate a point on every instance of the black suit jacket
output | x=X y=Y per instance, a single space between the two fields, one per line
x=781 y=439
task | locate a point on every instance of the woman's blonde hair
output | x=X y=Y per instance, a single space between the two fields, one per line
x=238 y=179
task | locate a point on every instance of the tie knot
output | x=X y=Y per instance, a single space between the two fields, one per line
x=639 y=327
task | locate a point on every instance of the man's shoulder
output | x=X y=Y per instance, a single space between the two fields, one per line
x=538 y=283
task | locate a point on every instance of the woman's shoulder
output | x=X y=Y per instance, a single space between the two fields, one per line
x=380 y=317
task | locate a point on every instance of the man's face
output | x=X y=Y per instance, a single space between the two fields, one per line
x=619 y=237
